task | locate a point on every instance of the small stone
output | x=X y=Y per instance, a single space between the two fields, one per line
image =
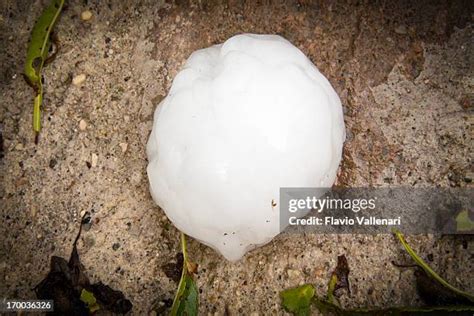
x=86 y=15
x=82 y=125
x=402 y=29
x=123 y=146
x=94 y=160
x=33 y=211
x=293 y=274
x=19 y=146
x=39 y=236
x=79 y=79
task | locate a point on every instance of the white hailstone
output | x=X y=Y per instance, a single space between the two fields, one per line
x=241 y=120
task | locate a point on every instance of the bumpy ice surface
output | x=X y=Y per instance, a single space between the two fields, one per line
x=241 y=120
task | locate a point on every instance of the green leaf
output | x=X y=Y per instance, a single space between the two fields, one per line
x=186 y=301
x=37 y=55
x=298 y=300
x=463 y=222
x=331 y=289
x=89 y=299
x=422 y=264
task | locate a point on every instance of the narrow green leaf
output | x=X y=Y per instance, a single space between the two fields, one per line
x=37 y=54
x=422 y=264
x=298 y=300
x=463 y=222
x=40 y=40
x=186 y=301
x=331 y=288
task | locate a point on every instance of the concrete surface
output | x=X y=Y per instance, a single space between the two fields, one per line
x=404 y=71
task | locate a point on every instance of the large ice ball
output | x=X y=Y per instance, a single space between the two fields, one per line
x=241 y=120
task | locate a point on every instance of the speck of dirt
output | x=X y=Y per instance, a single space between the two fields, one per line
x=52 y=163
x=174 y=268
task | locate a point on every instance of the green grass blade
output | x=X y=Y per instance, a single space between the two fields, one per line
x=428 y=270
x=186 y=301
x=37 y=53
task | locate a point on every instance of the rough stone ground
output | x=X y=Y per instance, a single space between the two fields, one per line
x=403 y=69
